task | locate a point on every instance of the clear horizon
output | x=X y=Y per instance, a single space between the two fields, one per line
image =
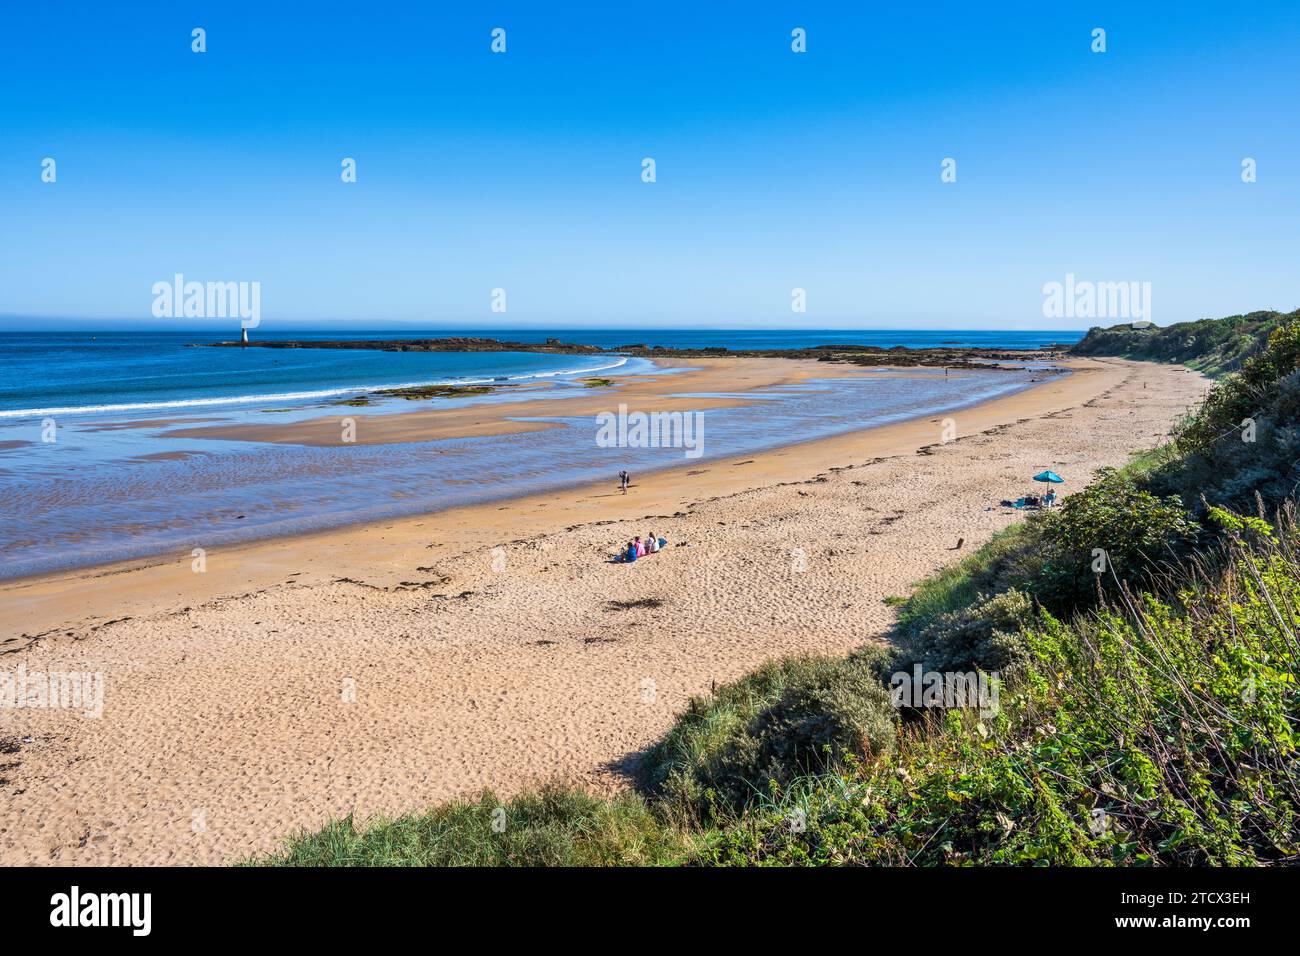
x=39 y=324
x=775 y=170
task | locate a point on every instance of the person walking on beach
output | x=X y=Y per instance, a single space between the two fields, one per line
x=623 y=479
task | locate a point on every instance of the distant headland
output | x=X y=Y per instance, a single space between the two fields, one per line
x=869 y=355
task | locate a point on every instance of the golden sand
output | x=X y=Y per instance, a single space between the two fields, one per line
x=389 y=667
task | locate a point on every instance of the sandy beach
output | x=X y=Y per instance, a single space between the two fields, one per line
x=648 y=393
x=384 y=668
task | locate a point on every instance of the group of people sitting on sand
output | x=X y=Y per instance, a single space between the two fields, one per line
x=1032 y=501
x=637 y=548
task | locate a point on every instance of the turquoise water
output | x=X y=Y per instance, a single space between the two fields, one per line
x=60 y=373
x=90 y=470
x=44 y=374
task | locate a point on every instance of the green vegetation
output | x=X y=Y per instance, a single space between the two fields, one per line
x=788 y=719
x=1242 y=449
x=1138 y=710
x=1137 y=531
x=555 y=826
x=1164 y=733
x=597 y=382
x=1212 y=346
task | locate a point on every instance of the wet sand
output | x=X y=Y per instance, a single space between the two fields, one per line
x=647 y=393
x=388 y=667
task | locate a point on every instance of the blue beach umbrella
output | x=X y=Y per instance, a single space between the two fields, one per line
x=1051 y=476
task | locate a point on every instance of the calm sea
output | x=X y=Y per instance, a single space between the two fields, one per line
x=90 y=470
x=44 y=373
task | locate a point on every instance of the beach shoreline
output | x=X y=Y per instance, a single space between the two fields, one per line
x=785 y=462
x=737 y=382
x=388 y=667
x=251 y=476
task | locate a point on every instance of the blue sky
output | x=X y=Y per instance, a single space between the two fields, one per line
x=522 y=171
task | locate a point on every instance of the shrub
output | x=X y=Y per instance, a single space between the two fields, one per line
x=792 y=717
x=1243 y=394
x=1244 y=442
x=987 y=635
x=1134 y=528
x=1213 y=346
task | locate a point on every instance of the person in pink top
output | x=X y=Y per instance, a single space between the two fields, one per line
x=640 y=548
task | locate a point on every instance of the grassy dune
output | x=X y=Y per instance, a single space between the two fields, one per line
x=1212 y=346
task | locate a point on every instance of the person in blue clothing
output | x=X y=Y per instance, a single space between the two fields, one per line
x=630 y=554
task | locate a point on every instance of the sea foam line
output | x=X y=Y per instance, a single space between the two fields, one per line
x=286 y=396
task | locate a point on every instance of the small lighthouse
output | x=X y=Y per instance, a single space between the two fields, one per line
x=243 y=336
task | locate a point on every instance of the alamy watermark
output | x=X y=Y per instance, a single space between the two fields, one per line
x=75 y=908
x=56 y=690
x=1096 y=300
x=208 y=300
x=973 y=690
x=626 y=429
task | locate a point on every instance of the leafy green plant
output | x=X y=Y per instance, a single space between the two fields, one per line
x=1112 y=530
x=1242 y=394
x=985 y=635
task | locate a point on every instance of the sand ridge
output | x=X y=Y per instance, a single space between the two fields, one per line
x=649 y=393
x=389 y=667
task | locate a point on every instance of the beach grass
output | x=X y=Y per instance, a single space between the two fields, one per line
x=1142 y=463
x=750 y=739
x=959 y=585
x=555 y=825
